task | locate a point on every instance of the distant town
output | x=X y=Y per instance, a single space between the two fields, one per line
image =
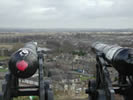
x=70 y=63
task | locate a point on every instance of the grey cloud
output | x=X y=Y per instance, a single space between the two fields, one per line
x=66 y=13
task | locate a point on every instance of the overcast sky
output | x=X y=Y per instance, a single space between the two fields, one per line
x=66 y=13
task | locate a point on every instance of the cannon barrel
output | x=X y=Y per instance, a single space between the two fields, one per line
x=24 y=62
x=121 y=58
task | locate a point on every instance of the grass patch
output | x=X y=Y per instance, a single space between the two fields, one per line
x=4 y=57
x=3 y=70
x=26 y=98
x=84 y=78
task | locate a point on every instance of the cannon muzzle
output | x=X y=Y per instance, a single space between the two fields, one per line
x=121 y=58
x=24 y=62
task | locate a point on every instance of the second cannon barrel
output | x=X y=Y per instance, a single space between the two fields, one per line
x=121 y=58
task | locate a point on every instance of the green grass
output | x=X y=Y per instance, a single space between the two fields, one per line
x=21 y=98
x=25 y=98
x=4 y=57
x=3 y=70
x=84 y=78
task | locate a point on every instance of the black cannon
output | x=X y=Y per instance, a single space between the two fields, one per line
x=23 y=64
x=121 y=58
